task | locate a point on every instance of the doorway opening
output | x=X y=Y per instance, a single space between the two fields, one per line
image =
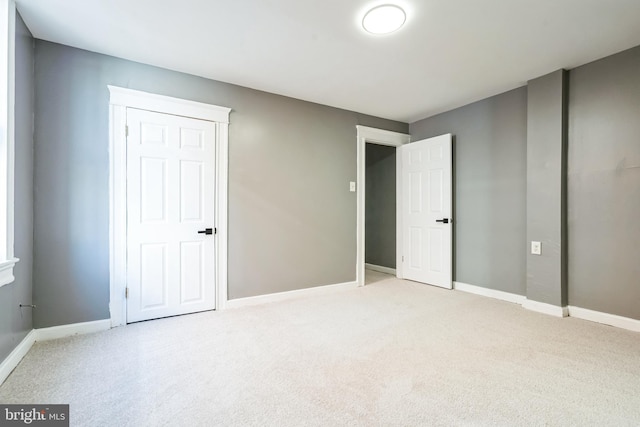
x=368 y=136
x=380 y=209
x=423 y=206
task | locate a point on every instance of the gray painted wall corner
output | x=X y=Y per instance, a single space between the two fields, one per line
x=546 y=187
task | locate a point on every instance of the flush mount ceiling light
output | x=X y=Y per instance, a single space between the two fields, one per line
x=384 y=19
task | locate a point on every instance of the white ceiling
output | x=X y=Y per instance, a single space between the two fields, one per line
x=449 y=53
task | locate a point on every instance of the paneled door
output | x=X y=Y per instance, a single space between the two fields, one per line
x=170 y=215
x=426 y=211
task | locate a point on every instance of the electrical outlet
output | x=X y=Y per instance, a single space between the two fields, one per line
x=536 y=248
x=352 y=187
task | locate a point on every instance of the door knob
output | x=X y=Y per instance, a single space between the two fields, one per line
x=444 y=220
x=206 y=231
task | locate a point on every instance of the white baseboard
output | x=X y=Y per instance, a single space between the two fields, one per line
x=281 y=296
x=12 y=360
x=491 y=293
x=541 y=307
x=380 y=269
x=605 y=318
x=45 y=334
x=62 y=331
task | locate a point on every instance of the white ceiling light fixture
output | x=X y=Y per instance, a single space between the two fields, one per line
x=384 y=19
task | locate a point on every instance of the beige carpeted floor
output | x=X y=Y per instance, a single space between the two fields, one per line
x=392 y=353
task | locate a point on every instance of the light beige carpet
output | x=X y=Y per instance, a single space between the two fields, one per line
x=394 y=353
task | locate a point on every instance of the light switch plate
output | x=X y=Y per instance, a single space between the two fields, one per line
x=536 y=248
x=352 y=187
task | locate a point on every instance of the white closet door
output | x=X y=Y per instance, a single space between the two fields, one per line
x=170 y=206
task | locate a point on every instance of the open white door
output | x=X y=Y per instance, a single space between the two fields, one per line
x=426 y=211
x=170 y=215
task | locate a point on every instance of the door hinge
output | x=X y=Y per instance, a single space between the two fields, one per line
x=402 y=258
x=126 y=292
x=126 y=130
x=215 y=231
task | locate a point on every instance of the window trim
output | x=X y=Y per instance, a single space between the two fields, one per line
x=7 y=140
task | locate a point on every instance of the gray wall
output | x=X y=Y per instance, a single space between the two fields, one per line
x=15 y=322
x=546 y=188
x=490 y=139
x=291 y=215
x=602 y=193
x=380 y=205
x=604 y=185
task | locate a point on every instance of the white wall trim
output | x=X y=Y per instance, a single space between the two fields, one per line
x=553 y=310
x=167 y=105
x=380 y=269
x=282 y=296
x=6 y=271
x=491 y=293
x=605 y=318
x=13 y=359
x=541 y=307
x=222 y=197
x=62 y=331
x=399 y=215
x=117 y=214
x=7 y=139
x=46 y=334
x=120 y=100
x=366 y=135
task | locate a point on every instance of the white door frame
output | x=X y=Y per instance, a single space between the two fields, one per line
x=120 y=100
x=381 y=137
